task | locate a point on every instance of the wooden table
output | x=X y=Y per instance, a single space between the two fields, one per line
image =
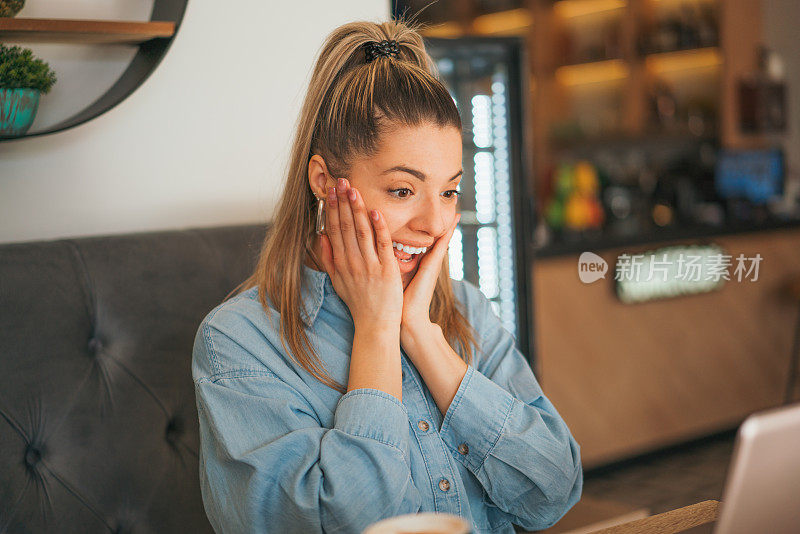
x=687 y=519
x=606 y=517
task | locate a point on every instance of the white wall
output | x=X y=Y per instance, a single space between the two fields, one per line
x=203 y=142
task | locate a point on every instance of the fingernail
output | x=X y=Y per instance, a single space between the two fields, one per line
x=374 y=214
x=352 y=194
x=332 y=193
x=342 y=183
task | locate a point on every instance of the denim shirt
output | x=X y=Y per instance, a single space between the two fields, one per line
x=282 y=452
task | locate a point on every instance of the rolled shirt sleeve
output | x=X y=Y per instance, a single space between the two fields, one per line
x=268 y=465
x=508 y=434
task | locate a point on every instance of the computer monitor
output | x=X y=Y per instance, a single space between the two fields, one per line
x=754 y=175
x=762 y=490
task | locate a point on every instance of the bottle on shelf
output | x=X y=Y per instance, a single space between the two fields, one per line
x=708 y=25
x=575 y=204
x=690 y=26
x=762 y=96
x=663 y=106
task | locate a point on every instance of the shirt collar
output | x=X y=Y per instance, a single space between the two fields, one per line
x=313 y=293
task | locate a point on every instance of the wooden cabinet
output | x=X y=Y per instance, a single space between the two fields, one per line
x=598 y=70
x=631 y=378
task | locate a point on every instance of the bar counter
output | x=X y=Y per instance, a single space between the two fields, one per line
x=632 y=378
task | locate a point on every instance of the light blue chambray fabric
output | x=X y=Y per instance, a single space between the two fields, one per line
x=282 y=452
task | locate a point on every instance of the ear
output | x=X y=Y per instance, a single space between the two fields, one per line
x=318 y=176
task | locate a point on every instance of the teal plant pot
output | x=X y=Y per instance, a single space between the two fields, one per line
x=17 y=110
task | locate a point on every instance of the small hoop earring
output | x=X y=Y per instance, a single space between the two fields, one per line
x=320 y=216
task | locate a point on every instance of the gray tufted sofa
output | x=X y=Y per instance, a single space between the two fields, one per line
x=98 y=422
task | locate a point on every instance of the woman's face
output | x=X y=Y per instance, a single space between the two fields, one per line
x=412 y=181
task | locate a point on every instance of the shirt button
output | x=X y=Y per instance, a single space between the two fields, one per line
x=444 y=484
x=423 y=425
x=463 y=448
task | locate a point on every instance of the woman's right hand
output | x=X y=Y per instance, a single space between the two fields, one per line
x=363 y=270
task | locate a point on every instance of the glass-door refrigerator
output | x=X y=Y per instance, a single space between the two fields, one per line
x=490 y=247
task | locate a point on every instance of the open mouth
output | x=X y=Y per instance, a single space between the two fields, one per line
x=404 y=257
x=407 y=254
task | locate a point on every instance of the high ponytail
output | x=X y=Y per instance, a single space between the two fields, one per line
x=351 y=102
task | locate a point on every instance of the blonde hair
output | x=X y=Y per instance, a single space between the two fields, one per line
x=350 y=103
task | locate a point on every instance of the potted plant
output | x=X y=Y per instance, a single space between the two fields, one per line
x=23 y=78
x=9 y=8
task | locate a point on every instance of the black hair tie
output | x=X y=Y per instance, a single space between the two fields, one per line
x=386 y=48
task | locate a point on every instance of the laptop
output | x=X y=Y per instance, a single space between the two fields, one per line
x=762 y=490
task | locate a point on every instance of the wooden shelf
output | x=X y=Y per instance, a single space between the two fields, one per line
x=612 y=140
x=592 y=72
x=682 y=60
x=610 y=69
x=28 y=30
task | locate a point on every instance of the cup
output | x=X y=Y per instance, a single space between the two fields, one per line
x=422 y=523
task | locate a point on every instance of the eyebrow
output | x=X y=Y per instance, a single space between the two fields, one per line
x=417 y=174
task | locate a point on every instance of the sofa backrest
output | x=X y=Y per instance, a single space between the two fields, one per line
x=98 y=422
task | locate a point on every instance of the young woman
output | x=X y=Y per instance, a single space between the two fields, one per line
x=350 y=380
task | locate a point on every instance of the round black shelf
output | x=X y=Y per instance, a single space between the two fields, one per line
x=149 y=55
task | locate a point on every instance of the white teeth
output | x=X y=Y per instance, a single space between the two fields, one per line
x=408 y=249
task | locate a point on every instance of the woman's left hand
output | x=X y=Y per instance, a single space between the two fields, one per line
x=417 y=296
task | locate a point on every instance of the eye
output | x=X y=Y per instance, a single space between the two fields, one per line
x=453 y=193
x=396 y=192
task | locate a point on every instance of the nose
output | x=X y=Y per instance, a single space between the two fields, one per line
x=430 y=217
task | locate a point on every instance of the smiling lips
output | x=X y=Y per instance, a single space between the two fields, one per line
x=406 y=253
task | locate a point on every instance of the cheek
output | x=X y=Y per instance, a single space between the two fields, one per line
x=395 y=218
x=372 y=201
x=394 y=223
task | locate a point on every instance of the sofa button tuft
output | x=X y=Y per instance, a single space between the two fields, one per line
x=95 y=345
x=174 y=428
x=32 y=456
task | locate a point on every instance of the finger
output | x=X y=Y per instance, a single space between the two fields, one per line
x=383 y=239
x=449 y=236
x=346 y=222
x=444 y=241
x=332 y=229
x=453 y=227
x=363 y=228
x=452 y=230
